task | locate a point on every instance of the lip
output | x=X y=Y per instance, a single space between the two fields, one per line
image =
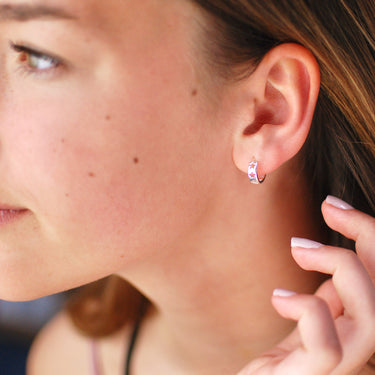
x=9 y=207
x=7 y=215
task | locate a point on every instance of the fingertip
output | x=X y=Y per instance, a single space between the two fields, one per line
x=304 y=243
x=283 y=293
x=284 y=301
x=335 y=210
x=338 y=203
x=343 y=218
x=335 y=206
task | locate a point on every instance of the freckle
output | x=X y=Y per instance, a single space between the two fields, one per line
x=67 y=195
x=194 y=92
x=136 y=160
x=91 y=174
x=108 y=117
x=62 y=140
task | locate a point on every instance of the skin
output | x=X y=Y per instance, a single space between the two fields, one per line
x=135 y=157
x=95 y=177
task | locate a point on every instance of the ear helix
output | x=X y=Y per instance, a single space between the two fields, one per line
x=252 y=172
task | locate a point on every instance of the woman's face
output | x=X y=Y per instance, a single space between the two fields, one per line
x=105 y=137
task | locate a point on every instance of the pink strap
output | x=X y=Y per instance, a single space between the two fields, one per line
x=95 y=360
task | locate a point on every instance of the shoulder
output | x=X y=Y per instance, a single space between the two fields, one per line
x=59 y=349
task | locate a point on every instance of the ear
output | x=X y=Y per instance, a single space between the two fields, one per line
x=277 y=107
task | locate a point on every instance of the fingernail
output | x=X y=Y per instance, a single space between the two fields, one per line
x=338 y=203
x=283 y=293
x=305 y=243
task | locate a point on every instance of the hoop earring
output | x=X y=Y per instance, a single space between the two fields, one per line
x=252 y=172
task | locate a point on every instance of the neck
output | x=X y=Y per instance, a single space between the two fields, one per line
x=211 y=293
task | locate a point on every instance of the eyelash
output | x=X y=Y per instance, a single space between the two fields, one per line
x=26 y=53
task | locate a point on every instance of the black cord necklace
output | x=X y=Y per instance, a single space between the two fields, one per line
x=131 y=347
x=134 y=336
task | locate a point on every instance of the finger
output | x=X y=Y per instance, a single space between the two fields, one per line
x=350 y=278
x=321 y=351
x=355 y=225
x=340 y=216
x=357 y=293
x=328 y=293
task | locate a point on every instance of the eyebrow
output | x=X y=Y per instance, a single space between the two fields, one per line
x=25 y=12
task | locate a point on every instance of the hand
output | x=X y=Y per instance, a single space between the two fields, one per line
x=335 y=334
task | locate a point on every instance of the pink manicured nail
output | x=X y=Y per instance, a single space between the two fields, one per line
x=283 y=293
x=338 y=203
x=305 y=243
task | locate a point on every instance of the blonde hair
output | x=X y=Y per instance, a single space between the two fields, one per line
x=339 y=153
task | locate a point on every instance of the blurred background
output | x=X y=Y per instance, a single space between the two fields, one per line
x=19 y=323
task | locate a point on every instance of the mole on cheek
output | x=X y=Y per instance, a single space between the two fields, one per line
x=91 y=174
x=136 y=160
x=194 y=92
x=108 y=117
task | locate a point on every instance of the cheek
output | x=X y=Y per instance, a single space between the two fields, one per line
x=114 y=174
x=127 y=174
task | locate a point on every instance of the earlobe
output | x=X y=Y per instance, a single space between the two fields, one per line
x=287 y=84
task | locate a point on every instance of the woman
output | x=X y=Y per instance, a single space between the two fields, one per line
x=128 y=131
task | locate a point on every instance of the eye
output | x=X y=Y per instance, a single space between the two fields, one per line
x=36 y=61
x=32 y=61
